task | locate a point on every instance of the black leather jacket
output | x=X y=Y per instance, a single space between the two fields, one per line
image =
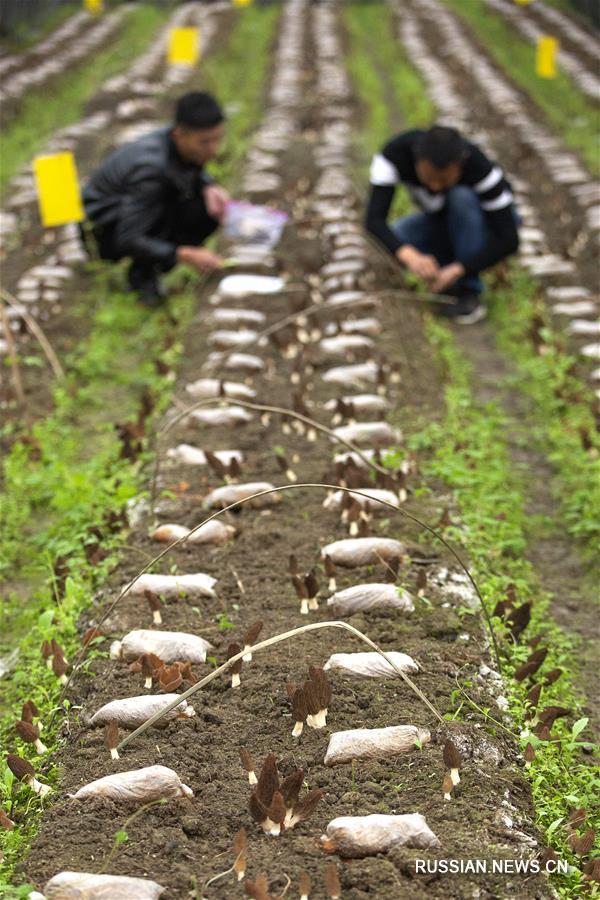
x=136 y=191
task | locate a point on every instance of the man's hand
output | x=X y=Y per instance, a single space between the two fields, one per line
x=199 y=259
x=215 y=198
x=420 y=264
x=446 y=276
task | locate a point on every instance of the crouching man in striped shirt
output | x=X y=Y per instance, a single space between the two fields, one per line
x=467 y=221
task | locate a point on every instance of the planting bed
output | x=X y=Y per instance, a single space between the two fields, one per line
x=301 y=159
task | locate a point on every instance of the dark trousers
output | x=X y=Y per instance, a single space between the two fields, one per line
x=459 y=230
x=186 y=224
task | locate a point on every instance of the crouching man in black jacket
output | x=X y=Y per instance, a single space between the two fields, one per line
x=467 y=221
x=151 y=200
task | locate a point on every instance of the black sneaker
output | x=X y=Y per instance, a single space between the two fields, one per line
x=466 y=311
x=151 y=295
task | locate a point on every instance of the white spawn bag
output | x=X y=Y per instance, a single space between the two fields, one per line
x=361 y=597
x=194 y=456
x=335 y=501
x=344 y=344
x=244 y=362
x=352 y=376
x=167 y=645
x=138 y=785
x=232 y=317
x=214 y=532
x=374 y=434
x=245 y=285
x=207 y=388
x=350 y=299
x=224 y=415
x=196 y=585
x=224 y=339
x=365 y=551
x=133 y=711
x=369 y=325
x=357 y=836
x=89 y=886
x=233 y=493
x=373 y=743
x=371 y=664
x=362 y=403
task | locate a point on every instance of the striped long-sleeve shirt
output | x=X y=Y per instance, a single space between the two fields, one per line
x=396 y=164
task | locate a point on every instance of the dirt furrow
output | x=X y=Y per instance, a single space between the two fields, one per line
x=303 y=146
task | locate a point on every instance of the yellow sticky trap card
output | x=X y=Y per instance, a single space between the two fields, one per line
x=184 y=46
x=545 y=65
x=522 y=2
x=59 y=196
x=95 y=7
x=242 y=2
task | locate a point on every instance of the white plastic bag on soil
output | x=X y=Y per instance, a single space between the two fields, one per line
x=197 y=584
x=356 y=836
x=224 y=415
x=374 y=434
x=214 y=532
x=335 y=501
x=373 y=743
x=89 y=886
x=133 y=711
x=233 y=493
x=362 y=551
x=168 y=645
x=207 y=388
x=137 y=786
x=226 y=339
x=371 y=664
x=361 y=597
x=194 y=456
x=243 y=285
x=352 y=376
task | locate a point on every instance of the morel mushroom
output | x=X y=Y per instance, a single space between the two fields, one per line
x=304 y=808
x=447 y=786
x=361 y=597
x=138 y=785
x=330 y=571
x=240 y=846
x=154 y=604
x=168 y=645
x=172 y=586
x=85 y=885
x=352 y=552
x=452 y=760
x=317 y=692
x=529 y=755
x=131 y=712
x=376 y=500
x=59 y=666
x=30 y=711
x=236 y=668
x=305 y=885
x=31 y=735
x=151 y=667
x=5 y=822
x=111 y=738
x=248 y=765
x=374 y=743
x=332 y=883
x=170 y=678
x=359 y=836
x=297 y=698
x=250 y=638
x=371 y=664
x=24 y=772
x=259 y=889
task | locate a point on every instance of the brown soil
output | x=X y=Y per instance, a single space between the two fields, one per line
x=183 y=843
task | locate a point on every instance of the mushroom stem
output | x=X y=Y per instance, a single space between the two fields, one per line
x=297 y=729
x=156 y=617
x=313 y=603
x=235 y=680
x=35 y=785
x=148 y=682
x=114 y=753
x=247 y=657
x=304 y=606
x=39 y=747
x=454 y=776
x=252 y=779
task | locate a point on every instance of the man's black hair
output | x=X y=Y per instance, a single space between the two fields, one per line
x=198 y=110
x=440 y=146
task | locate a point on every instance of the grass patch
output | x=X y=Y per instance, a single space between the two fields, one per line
x=563 y=405
x=468 y=452
x=568 y=112
x=44 y=112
